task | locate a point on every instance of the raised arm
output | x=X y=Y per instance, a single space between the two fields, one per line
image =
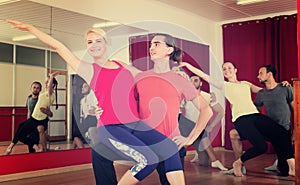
x=203 y=75
x=60 y=48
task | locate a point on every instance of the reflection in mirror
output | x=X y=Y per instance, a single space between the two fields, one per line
x=24 y=59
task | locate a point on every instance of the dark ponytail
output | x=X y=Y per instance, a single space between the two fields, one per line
x=55 y=83
x=176 y=55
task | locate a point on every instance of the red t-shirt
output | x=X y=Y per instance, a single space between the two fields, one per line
x=159 y=96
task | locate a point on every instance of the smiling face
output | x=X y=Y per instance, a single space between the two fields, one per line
x=229 y=70
x=159 y=49
x=96 y=44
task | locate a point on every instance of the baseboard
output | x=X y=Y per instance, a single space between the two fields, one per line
x=39 y=173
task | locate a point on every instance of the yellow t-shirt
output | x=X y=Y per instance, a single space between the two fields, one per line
x=43 y=101
x=239 y=96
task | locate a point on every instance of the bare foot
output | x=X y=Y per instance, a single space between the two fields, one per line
x=9 y=149
x=237 y=168
x=291 y=163
x=37 y=148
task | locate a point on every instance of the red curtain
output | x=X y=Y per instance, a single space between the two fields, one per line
x=254 y=43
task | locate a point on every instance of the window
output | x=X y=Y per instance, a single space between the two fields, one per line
x=56 y=62
x=30 y=56
x=6 y=53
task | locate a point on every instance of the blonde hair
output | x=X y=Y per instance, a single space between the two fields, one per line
x=97 y=31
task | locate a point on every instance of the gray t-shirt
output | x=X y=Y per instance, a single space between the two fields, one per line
x=30 y=104
x=277 y=103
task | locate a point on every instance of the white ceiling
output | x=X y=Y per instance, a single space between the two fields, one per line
x=66 y=26
x=69 y=27
x=225 y=10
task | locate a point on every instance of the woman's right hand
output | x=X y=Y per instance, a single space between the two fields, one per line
x=98 y=112
x=19 y=25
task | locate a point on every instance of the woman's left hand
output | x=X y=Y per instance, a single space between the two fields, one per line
x=181 y=141
x=285 y=83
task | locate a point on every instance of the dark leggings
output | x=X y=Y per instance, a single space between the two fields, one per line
x=27 y=132
x=104 y=171
x=138 y=142
x=257 y=129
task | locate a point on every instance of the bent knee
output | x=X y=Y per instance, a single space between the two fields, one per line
x=234 y=134
x=262 y=148
x=40 y=128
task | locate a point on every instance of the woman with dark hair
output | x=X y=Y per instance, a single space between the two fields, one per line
x=27 y=131
x=250 y=124
x=160 y=92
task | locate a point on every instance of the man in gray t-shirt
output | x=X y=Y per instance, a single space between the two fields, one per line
x=278 y=101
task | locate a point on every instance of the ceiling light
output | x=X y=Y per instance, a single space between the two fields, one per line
x=23 y=37
x=2 y=2
x=106 y=24
x=245 y=2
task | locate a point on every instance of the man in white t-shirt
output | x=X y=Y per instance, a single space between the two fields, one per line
x=202 y=145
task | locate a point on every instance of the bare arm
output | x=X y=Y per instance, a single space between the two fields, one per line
x=255 y=88
x=204 y=117
x=219 y=112
x=203 y=75
x=60 y=48
x=200 y=125
x=46 y=111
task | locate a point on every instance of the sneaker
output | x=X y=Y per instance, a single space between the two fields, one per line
x=218 y=164
x=244 y=170
x=273 y=167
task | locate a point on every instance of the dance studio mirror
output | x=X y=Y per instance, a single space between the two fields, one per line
x=24 y=59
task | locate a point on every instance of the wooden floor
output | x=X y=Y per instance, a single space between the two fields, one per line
x=194 y=174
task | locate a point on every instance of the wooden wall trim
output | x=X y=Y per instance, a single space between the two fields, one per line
x=296 y=85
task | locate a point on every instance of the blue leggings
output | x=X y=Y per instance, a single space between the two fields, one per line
x=138 y=142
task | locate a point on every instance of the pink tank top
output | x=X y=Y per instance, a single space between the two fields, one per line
x=114 y=89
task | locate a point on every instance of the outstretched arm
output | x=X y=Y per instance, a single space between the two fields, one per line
x=60 y=48
x=255 y=88
x=203 y=75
